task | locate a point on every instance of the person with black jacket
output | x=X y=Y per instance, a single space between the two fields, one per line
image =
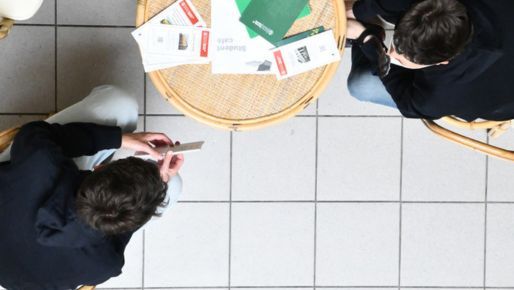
x=65 y=218
x=448 y=57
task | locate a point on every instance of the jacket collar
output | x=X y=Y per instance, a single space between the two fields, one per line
x=57 y=224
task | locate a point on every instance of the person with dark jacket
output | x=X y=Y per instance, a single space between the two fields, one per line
x=449 y=57
x=65 y=219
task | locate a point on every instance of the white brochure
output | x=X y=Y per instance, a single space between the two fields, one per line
x=159 y=47
x=233 y=51
x=169 y=45
x=306 y=54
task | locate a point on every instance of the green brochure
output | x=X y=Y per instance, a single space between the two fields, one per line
x=271 y=19
x=300 y=36
x=242 y=4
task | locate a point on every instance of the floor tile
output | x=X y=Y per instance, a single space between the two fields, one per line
x=155 y=102
x=28 y=74
x=500 y=181
x=336 y=100
x=262 y=158
x=45 y=14
x=206 y=174
x=88 y=57
x=11 y=121
x=442 y=245
x=357 y=244
x=272 y=244
x=188 y=247
x=359 y=158
x=437 y=170
x=438 y=288
x=500 y=238
x=97 y=12
x=131 y=275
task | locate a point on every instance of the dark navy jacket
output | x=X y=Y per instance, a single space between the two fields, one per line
x=43 y=245
x=478 y=83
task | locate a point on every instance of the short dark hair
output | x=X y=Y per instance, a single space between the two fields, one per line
x=121 y=196
x=433 y=31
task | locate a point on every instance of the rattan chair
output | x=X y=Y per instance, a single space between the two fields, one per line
x=494 y=128
x=5 y=27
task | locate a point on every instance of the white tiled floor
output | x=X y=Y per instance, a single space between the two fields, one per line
x=346 y=196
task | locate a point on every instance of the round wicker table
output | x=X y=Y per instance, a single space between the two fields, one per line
x=244 y=102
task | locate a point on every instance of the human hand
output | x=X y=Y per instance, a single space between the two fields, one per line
x=141 y=142
x=170 y=165
x=354 y=29
x=349 y=9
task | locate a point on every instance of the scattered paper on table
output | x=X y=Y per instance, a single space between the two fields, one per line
x=306 y=54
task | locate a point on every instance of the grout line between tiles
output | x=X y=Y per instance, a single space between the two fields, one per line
x=55 y=58
x=310 y=287
x=400 y=207
x=485 y=214
x=144 y=102
x=230 y=213
x=144 y=231
x=74 y=25
x=346 y=201
x=316 y=146
x=182 y=115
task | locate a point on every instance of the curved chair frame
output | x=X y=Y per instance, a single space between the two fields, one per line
x=6 y=138
x=495 y=129
x=5 y=26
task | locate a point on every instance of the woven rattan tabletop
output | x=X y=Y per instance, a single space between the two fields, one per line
x=244 y=102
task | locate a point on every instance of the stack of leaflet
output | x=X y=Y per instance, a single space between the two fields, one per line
x=247 y=37
x=176 y=36
x=272 y=20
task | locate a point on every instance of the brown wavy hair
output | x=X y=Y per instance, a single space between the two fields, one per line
x=121 y=196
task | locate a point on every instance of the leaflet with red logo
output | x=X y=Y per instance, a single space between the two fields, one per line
x=182 y=13
x=306 y=54
x=165 y=46
x=157 y=43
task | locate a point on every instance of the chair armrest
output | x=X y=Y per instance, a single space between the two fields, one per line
x=6 y=138
x=469 y=142
x=5 y=27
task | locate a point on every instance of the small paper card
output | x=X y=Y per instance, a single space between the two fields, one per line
x=177 y=42
x=182 y=13
x=306 y=54
x=177 y=149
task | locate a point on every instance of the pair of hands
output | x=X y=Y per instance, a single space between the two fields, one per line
x=169 y=165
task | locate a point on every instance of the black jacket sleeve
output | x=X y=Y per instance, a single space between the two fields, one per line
x=72 y=140
x=401 y=86
x=390 y=10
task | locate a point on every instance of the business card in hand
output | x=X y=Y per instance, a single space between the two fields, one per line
x=177 y=149
x=306 y=54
